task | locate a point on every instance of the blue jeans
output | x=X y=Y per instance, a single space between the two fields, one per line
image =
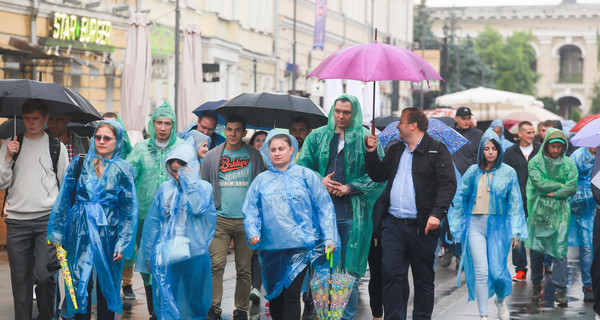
x=559 y=270
x=585 y=264
x=519 y=257
x=478 y=247
x=344 y=229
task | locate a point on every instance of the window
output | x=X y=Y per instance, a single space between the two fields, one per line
x=571 y=65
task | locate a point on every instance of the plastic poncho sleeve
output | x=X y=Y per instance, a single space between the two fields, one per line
x=457 y=213
x=323 y=206
x=570 y=186
x=541 y=183
x=516 y=214
x=64 y=201
x=150 y=234
x=307 y=156
x=128 y=216
x=198 y=201
x=252 y=214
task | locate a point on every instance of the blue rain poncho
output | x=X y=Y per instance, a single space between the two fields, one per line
x=503 y=141
x=100 y=221
x=177 y=232
x=506 y=220
x=196 y=139
x=292 y=214
x=583 y=206
x=548 y=219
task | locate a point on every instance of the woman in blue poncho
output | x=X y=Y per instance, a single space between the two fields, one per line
x=177 y=233
x=289 y=218
x=487 y=214
x=199 y=141
x=95 y=218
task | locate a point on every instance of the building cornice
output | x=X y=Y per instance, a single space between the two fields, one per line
x=579 y=11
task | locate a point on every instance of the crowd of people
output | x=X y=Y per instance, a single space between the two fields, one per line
x=172 y=206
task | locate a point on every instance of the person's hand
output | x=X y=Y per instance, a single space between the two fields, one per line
x=341 y=190
x=331 y=248
x=254 y=241
x=432 y=224
x=371 y=143
x=329 y=183
x=12 y=147
x=54 y=244
x=515 y=243
x=117 y=256
x=551 y=194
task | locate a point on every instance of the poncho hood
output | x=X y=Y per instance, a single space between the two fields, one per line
x=551 y=134
x=489 y=135
x=119 y=141
x=191 y=171
x=264 y=150
x=196 y=138
x=164 y=111
x=357 y=118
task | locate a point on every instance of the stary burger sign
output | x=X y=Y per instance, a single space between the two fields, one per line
x=86 y=30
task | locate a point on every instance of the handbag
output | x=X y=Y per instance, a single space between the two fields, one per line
x=178 y=249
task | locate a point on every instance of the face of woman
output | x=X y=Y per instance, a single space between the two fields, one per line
x=490 y=153
x=105 y=142
x=175 y=170
x=281 y=153
x=202 y=150
x=259 y=140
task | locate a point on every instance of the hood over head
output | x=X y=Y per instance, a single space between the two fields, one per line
x=119 y=141
x=551 y=135
x=489 y=135
x=497 y=123
x=264 y=150
x=357 y=118
x=185 y=152
x=196 y=138
x=164 y=111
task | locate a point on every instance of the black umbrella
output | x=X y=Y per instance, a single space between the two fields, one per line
x=273 y=109
x=83 y=130
x=7 y=128
x=60 y=100
x=382 y=122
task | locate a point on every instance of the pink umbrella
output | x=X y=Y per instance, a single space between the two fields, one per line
x=375 y=62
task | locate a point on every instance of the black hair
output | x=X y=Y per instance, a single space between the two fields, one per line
x=33 y=105
x=237 y=118
x=300 y=119
x=209 y=114
x=497 y=145
x=256 y=134
x=283 y=136
x=109 y=115
x=417 y=115
x=179 y=162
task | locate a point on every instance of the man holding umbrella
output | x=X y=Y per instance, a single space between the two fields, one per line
x=336 y=153
x=32 y=171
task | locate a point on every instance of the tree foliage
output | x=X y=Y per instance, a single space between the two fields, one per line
x=595 y=108
x=549 y=104
x=575 y=114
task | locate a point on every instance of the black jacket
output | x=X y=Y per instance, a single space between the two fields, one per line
x=433 y=179
x=467 y=155
x=514 y=157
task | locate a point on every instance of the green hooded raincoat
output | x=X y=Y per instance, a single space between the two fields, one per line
x=315 y=155
x=548 y=220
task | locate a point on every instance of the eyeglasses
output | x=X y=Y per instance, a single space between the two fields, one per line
x=100 y=138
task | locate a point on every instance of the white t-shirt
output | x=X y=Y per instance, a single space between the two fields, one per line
x=527 y=151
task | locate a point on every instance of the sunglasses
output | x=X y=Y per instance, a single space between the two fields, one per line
x=100 y=138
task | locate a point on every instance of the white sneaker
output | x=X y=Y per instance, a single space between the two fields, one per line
x=503 y=313
x=597 y=316
x=484 y=318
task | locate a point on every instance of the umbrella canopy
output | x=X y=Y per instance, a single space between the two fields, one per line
x=382 y=122
x=190 y=76
x=273 y=109
x=137 y=70
x=208 y=105
x=588 y=136
x=60 y=100
x=584 y=121
x=7 y=128
x=437 y=130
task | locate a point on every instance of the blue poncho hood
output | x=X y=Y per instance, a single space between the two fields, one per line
x=264 y=150
x=489 y=135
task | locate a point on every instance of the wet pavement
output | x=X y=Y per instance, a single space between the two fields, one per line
x=450 y=301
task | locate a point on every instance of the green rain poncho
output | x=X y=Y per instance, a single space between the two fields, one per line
x=146 y=159
x=548 y=220
x=315 y=155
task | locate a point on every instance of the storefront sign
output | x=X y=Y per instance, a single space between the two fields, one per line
x=87 y=30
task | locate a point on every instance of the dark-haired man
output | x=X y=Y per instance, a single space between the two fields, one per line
x=207 y=123
x=57 y=125
x=32 y=172
x=420 y=187
x=230 y=168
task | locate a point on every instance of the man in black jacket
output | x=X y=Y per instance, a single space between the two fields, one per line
x=407 y=215
x=517 y=157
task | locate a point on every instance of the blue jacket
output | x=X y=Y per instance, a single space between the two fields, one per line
x=506 y=219
x=292 y=214
x=583 y=206
x=98 y=222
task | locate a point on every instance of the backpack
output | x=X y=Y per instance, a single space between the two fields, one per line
x=53 y=146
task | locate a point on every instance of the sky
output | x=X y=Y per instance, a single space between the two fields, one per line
x=480 y=3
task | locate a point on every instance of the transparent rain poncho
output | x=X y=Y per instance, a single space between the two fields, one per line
x=548 y=219
x=503 y=141
x=315 y=156
x=195 y=139
x=292 y=214
x=146 y=160
x=100 y=221
x=506 y=220
x=583 y=205
x=177 y=232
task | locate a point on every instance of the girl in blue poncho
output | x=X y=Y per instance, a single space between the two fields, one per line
x=95 y=218
x=199 y=141
x=487 y=213
x=177 y=233
x=290 y=218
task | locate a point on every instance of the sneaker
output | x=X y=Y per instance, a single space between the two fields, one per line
x=255 y=296
x=240 y=315
x=213 y=315
x=446 y=259
x=521 y=276
x=127 y=292
x=561 y=298
x=484 y=318
x=588 y=295
x=503 y=313
x=536 y=293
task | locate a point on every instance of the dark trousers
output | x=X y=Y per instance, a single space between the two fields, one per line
x=102 y=308
x=455 y=248
x=403 y=245
x=256 y=275
x=519 y=257
x=287 y=305
x=24 y=240
x=595 y=271
x=376 y=282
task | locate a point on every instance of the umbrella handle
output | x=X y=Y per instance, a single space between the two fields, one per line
x=329 y=257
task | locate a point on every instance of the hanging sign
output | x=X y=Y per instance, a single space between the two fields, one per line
x=87 y=30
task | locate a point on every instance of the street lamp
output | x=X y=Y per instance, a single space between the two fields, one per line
x=444 y=68
x=423 y=11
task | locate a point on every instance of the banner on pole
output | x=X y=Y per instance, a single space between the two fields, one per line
x=320 y=15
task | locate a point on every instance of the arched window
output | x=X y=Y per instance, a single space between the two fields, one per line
x=571 y=65
x=566 y=106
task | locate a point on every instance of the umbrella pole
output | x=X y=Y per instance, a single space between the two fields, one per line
x=373 y=115
x=14 y=125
